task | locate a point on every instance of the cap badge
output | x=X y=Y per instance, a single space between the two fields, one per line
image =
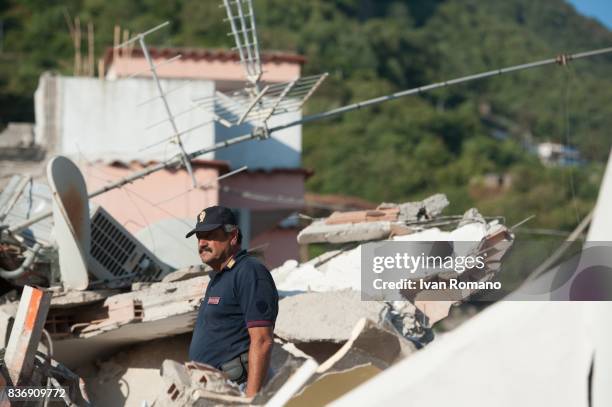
x=201 y=216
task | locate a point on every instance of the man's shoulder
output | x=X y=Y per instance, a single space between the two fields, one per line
x=249 y=270
x=248 y=262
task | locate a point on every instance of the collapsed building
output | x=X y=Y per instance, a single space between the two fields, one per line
x=134 y=313
x=123 y=338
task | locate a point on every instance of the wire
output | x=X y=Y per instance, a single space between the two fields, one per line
x=567 y=92
x=144 y=218
x=261 y=197
x=49 y=343
x=129 y=192
x=204 y=187
x=545 y=232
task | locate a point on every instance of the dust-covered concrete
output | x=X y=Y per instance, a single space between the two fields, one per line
x=326 y=316
x=132 y=375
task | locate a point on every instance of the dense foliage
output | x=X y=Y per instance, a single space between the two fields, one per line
x=406 y=149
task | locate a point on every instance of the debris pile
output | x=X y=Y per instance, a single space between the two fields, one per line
x=386 y=220
x=193 y=383
x=323 y=319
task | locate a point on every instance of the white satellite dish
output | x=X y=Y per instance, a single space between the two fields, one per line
x=71 y=221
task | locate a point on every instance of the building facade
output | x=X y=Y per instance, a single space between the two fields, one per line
x=117 y=125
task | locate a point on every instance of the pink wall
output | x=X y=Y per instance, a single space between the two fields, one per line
x=160 y=195
x=215 y=70
x=164 y=195
x=286 y=183
x=282 y=246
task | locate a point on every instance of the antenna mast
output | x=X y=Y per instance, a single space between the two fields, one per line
x=153 y=68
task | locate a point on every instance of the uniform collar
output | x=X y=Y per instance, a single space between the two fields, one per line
x=235 y=259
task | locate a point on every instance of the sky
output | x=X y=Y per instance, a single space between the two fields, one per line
x=599 y=9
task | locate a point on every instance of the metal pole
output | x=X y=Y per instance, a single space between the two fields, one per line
x=144 y=34
x=562 y=59
x=147 y=56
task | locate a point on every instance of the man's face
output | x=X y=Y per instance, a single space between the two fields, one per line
x=214 y=246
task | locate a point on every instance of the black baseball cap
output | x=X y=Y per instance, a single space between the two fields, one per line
x=212 y=218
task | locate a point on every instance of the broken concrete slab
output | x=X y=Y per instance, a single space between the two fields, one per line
x=290 y=379
x=318 y=324
x=209 y=379
x=71 y=298
x=359 y=226
x=187 y=273
x=132 y=375
x=326 y=316
x=83 y=333
x=319 y=232
x=341 y=269
x=285 y=362
x=372 y=215
x=371 y=348
x=196 y=384
x=370 y=342
x=426 y=209
x=435 y=304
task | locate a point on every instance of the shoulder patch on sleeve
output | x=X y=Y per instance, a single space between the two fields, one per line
x=262 y=306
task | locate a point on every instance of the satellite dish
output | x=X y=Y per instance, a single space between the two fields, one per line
x=71 y=221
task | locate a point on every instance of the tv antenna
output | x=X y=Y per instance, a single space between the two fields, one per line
x=258 y=101
x=176 y=137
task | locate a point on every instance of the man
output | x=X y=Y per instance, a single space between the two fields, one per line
x=233 y=331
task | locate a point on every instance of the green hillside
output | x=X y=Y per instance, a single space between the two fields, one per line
x=406 y=149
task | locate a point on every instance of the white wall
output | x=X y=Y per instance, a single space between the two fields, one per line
x=282 y=150
x=101 y=120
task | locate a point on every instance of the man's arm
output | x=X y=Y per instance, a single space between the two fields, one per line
x=259 y=357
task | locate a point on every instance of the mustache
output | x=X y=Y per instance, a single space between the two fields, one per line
x=204 y=249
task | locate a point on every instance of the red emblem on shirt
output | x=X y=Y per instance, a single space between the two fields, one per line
x=214 y=300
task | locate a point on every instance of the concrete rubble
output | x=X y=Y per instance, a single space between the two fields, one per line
x=86 y=325
x=193 y=384
x=128 y=338
x=386 y=220
x=341 y=269
x=370 y=348
x=326 y=316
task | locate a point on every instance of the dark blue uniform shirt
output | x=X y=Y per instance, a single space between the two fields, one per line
x=241 y=296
